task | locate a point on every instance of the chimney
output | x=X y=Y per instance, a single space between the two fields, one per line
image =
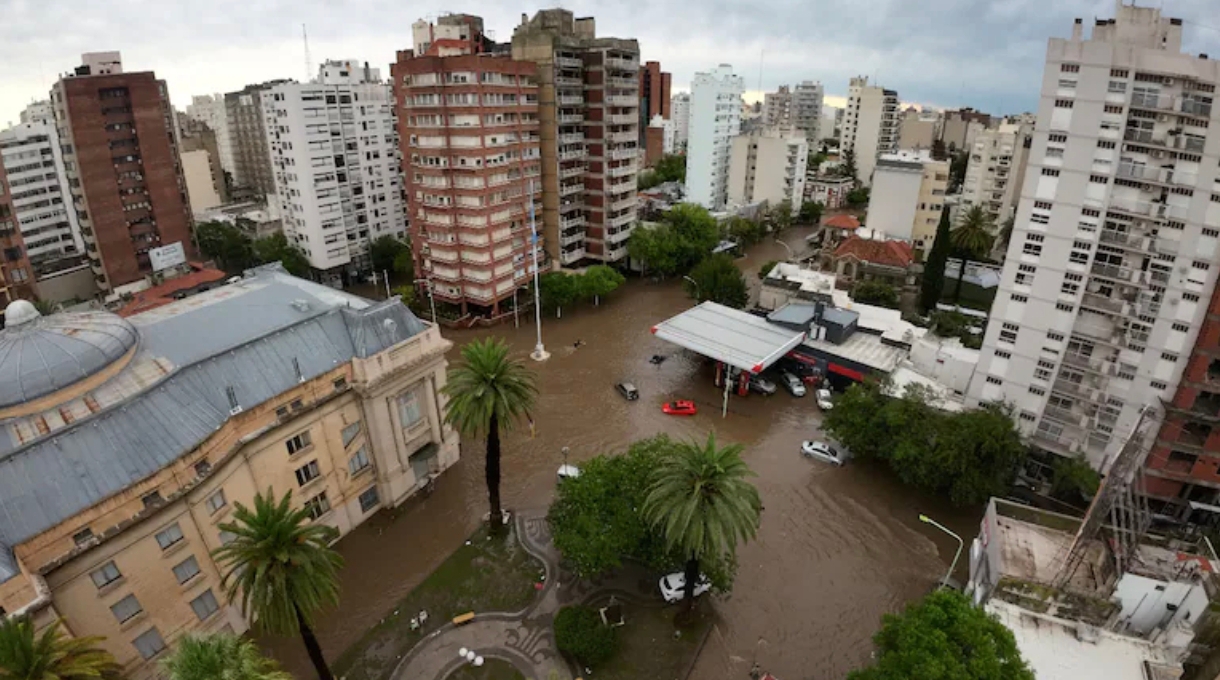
x=1078 y=30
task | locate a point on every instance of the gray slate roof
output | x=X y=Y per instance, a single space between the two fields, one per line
x=50 y=353
x=243 y=336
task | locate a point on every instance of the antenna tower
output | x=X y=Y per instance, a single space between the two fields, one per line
x=308 y=58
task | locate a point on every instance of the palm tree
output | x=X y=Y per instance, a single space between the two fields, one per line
x=26 y=654
x=220 y=656
x=972 y=239
x=702 y=503
x=489 y=392
x=281 y=568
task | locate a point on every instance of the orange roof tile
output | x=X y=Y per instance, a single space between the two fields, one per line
x=888 y=253
x=163 y=294
x=842 y=222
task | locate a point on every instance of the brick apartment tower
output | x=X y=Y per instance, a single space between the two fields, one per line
x=121 y=158
x=589 y=108
x=468 y=131
x=16 y=274
x=654 y=91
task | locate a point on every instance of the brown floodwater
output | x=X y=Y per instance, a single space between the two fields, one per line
x=837 y=548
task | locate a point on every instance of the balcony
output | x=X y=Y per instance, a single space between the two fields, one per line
x=619 y=236
x=1102 y=303
x=571 y=155
x=622 y=170
x=570 y=101
x=622 y=154
x=571 y=256
x=1113 y=271
x=620 y=221
x=1075 y=389
x=567 y=81
x=1152 y=102
x=623 y=100
x=572 y=222
x=629 y=203
x=568 y=62
x=614 y=254
x=1158 y=175
x=623 y=64
x=571 y=119
x=574 y=171
x=622 y=137
x=621 y=119
x=572 y=138
x=571 y=189
x=577 y=237
x=625 y=83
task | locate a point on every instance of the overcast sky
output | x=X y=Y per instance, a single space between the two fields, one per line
x=945 y=53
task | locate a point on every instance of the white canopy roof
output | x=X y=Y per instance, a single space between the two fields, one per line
x=734 y=337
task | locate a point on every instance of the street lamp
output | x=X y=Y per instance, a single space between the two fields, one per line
x=698 y=295
x=791 y=255
x=431 y=297
x=928 y=520
x=539 y=353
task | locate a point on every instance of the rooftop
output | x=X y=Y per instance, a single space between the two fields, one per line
x=887 y=253
x=863 y=348
x=173 y=289
x=842 y=221
x=732 y=336
x=943 y=398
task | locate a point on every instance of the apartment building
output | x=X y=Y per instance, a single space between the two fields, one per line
x=333 y=147
x=42 y=205
x=907 y=198
x=38 y=112
x=16 y=274
x=1114 y=245
x=110 y=518
x=121 y=159
x=870 y=125
x=470 y=147
x=654 y=92
x=958 y=128
x=918 y=129
x=995 y=171
x=768 y=165
x=798 y=108
x=715 y=119
x=253 y=173
x=679 y=111
x=211 y=111
x=199 y=149
x=589 y=120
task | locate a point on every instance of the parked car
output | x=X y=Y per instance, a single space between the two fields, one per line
x=823 y=451
x=568 y=472
x=824 y=402
x=673 y=586
x=681 y=407
x=793 y=383
x=761 y=385
x=629 y=392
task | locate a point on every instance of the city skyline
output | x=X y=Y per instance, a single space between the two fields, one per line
x=991 y=62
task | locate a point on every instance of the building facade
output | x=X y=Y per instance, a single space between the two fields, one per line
x=1115 y=239
x=589 y=120
x=333 y=146
x=654 y=93
x=918 y=129
x=329 y=396
x=679 y=111
x=870 y=125
x=768 y=166
x=715 y=119
x=958 y=128
x=16 y=274
x=32 y=158
x=211 y=111
x=797 y=108
x=201 y=166
x=121 y=160
x=253 y=173
x=469 y=139
x=996 y=169
x=908 y=196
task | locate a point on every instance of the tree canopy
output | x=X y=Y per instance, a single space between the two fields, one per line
x=972 y=239
x=276 y=248
x=220 y=656
x=968 y=456
x=848 y=167
x=876 y=293
x=29 y=654
x=811 y=212
x=858 y=197
x=559 y=289
x=670 y=168
x=598 y=281
x=384 y=252
x=933 y=284
x=744 y=231
x=235 y=252
x=718 y=279
x=685 y=235
x=944 y=636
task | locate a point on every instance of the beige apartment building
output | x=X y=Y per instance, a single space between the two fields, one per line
x=130 y=441
x=768 y=165
x=995 y=172
x=907 y=197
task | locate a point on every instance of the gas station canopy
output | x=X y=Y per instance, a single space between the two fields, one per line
x=730 y=336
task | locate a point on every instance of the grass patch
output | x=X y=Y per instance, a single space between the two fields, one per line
x=487 y=574
x=647 y=647
x=492 y=669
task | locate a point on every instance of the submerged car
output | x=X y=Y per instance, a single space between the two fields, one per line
x=824 y=452
x=673 y=586
x=629 y=392
x=794 y=384
x=761 y=385
x=824 y=402
x=681 y=407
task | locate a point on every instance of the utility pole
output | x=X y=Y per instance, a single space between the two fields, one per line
x=539 y=353
x=308 y=59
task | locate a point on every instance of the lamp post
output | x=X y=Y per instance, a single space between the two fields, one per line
x=431 y=297
x=698 y=295
x=539 y=353
x=791 y=255
x=928 y=520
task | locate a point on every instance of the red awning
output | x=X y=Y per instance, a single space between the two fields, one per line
x=845 y=372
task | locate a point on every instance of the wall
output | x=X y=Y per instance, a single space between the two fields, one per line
x=69 y=284
x=946 y=360
x=1146 y=603
x=197 y=170
x=894 y=199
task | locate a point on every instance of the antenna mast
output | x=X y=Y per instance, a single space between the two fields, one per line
x=308 y=59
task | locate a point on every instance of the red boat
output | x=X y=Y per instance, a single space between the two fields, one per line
x=681 y=407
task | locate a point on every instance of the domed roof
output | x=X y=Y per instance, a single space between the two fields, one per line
x=40 y=355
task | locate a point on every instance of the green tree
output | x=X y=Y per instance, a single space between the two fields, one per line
x=933 y=284
x=671 y=168
x=224 y=243
x=281 y=569
x=1073 y=480
x=939 y=152
x=655 y=248
x=811 y=212
x=488 y=392
x=848 y=167
x=703 y=504
x=875 y=293
x=559 y=289
x=743 y=230
x=276 y=248
x=220 y=656
x=407 y=293
x=599 y=281
x=718 y=279
x=944 y=636
x=971 y=239
x=960 y=160
x=647 y=180
x=858 y=197
x=26 y=654
x=780 y=216
x=695 y=233
x=580 y=633
x=1005 y=234
x=46 y=307
x=384 y=251
x=404 y=265
x=764 y=270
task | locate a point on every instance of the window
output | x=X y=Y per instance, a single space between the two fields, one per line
x=1117 y=86
x=169 y=536
x=1064 y=307
x=1008 y=332
x=1035 y=238
x=281 y=412
x=126 y=608
x=298 y=443
x=149 y=644
x=1113 y=108
x=227 y=537
x=369 y=499
x=1019 y=298
x=216 y=501
x=317 y=506
x=1207 y=231
x=359 y=462
x=1182 y=459
x=1190 y=297
x=1118 y=73
x=339 y=383
x=1052 y=335
x=1050 y=172
x=1057 y=137
x=1063 y=103
x=105 y=575
x=1037 y=391
x=205 y=605
x=994 y=380
x=1181 y=327
x=1001 y=354
x=83 y=536
x=1172 y=358
x=1042 y=374
x=1031 y=249
x=202 y=468
x=1069 y=288
x=1026 y=415
x=1105 y=144
x=409 y=411
x=1098 y=179
x=308 y=472
x=1158 y=385
x=186 y=569
x=350 y=432
x=1025 y=274
x=1200 y=264
x=1079 y=258
x=1069 y=68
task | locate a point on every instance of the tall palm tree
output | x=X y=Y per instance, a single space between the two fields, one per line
x=26 y=654
x=972 y=239
x=703 y=504
x=220 y=656
x=488 y=392
x=281 y=568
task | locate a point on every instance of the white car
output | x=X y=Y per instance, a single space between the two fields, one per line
x=794 y=384
x=824 y=402
x=673 y=586
x=823 y=451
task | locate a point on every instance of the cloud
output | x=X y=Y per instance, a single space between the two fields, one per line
x=979 y=53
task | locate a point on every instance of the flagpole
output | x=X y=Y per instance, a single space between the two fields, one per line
x=540 y=353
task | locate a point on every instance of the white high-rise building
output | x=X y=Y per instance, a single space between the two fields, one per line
x=43 y=206
x=334 y=152
x=1113 y=256
x=38 y=112
x=211 y=110
x=768 y=165
x=870 y=125
x=996 y=169
x=679 y=113
x=715 y=119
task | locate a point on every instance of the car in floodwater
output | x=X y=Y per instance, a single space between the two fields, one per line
x=761 y=385
x=681 y=407
x=824 y=452
x=673 y=586
x=629 y=392
x=795 y=387
x=824 y=401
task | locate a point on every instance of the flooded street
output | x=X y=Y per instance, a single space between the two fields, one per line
x=837 y=548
